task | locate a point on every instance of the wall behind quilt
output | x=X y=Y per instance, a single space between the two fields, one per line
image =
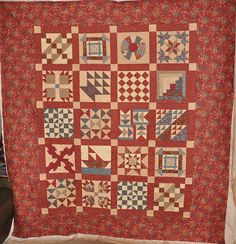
x=213 y=80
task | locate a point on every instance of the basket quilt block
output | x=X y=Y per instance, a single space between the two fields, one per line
x=124 y=119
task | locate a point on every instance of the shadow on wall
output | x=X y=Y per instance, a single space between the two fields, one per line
x=6 y=208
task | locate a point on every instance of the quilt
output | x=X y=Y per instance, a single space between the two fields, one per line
x=117 y=117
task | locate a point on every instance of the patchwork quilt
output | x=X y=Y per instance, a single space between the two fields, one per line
x=123 y=117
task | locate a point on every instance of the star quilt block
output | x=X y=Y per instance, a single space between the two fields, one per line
x=57 y=86
x=173 y=47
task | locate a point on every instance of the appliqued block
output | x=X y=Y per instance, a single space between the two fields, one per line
x=60 y=158
x=170 y=162
x=171 y=124
x=95 y=124
x=133 y=161
x=171 y=85
x=173 y=47
x=94 y=48
x=61 y=193
x=132 y=195
x=56 y=48
x=95 y=86
x=133 y=48
x=58 y=123
x=96 y=160
x=169 y=197
x=96 y=194
x=57 y=86
x=133 y=86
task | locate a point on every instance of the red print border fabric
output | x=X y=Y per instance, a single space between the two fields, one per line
x=119 y=124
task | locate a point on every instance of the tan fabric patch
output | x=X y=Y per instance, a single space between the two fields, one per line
x=64 y=79
x=50 y=79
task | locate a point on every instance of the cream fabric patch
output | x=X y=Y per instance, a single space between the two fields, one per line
x=234 y=190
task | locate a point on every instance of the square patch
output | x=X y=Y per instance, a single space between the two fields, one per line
x=168 y=197
x=58 y=123
x=96 y=194
x=171 y=85
x=94 y=48
x=132 y=195
x=170 y=162
x=133 y=161
x=56 y=48
x=95 y=86
x=60 y=158
x=61 y=193
x=171 y=124
x=57 y=86
x=133 y=47
x=95 y=124
x=173 y=47
x=96 y=160
x=133 y=86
